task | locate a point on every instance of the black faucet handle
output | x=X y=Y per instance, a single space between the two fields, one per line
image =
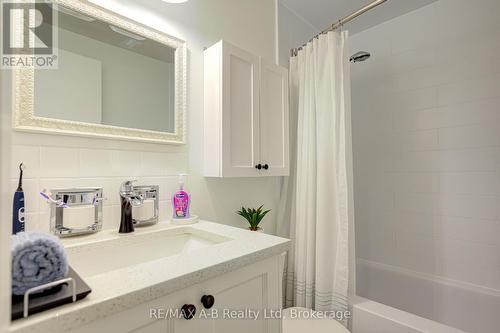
x=126 y=221
x=128 y=199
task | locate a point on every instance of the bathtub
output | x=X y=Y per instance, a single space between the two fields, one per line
x=394 y=300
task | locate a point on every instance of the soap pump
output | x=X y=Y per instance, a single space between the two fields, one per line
x=181 y=200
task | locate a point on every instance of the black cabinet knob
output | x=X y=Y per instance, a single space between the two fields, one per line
x=188 y=311
x=266 y=166
x=208 y=301
x=258 y=166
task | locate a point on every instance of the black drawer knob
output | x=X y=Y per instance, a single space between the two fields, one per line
x=266 y=167
x=258 y=166
x=188 y=311
x=208 y=301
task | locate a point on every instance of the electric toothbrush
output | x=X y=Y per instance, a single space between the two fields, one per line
x=18 y=205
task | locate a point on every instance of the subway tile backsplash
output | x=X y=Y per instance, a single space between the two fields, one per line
x=50 y=167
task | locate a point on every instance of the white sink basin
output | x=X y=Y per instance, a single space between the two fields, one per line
x=116 y=251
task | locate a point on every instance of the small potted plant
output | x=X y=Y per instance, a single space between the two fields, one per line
x=253 y=216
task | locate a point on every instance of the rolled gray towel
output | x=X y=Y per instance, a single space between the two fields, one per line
x=36 y=259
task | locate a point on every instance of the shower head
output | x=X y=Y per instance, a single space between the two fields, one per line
x=359 y=56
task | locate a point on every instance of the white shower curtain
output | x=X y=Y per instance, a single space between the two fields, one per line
x=315 y=202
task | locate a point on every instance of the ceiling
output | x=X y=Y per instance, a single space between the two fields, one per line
x=322 y=13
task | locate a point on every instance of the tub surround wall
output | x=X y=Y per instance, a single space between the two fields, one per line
x=62 y=161
x=426 y=136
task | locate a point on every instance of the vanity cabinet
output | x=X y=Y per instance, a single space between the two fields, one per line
x=246 y=132
x=255 y=287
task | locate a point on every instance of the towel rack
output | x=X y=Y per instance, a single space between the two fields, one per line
x=52 y=284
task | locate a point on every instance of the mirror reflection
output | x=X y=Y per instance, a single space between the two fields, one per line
x=107 y=75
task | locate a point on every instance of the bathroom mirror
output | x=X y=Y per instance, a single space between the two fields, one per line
x=115 y=78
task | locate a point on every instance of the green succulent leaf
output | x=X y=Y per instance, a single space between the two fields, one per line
x=253 y=216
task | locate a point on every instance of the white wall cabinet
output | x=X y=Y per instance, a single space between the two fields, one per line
x=245 y=114
x=256 y=287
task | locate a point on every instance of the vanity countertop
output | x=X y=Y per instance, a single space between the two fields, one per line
x=124 y=287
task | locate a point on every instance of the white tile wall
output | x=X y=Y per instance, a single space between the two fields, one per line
x=51 y=167
x=426 y=135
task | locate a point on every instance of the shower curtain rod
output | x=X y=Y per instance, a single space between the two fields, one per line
x=341 y=22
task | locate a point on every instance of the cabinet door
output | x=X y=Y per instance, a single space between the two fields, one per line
x=161 y=315
x=240 y=138
x=274 y=134
x=244 y=300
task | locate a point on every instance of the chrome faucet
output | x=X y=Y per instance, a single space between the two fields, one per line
x=128 y=199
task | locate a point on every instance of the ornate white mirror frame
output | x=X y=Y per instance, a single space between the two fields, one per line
x=24 y=118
